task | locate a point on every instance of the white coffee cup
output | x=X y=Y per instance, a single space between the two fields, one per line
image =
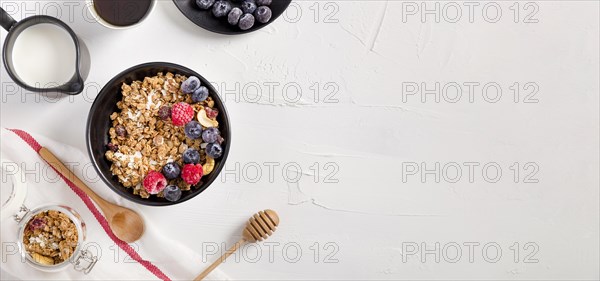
x=98 y=18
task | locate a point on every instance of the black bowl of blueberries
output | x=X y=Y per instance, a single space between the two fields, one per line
x=232 y=16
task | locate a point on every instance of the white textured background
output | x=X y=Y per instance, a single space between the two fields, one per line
x=368 y=132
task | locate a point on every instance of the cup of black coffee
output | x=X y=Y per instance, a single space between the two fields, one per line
x=120 y=14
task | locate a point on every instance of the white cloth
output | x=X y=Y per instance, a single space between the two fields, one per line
x=45 y=187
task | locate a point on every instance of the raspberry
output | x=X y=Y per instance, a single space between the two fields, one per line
x=155 y=182
x=192 y=173
x=181 y=113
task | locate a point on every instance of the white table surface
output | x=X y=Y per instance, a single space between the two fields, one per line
x=365 y=218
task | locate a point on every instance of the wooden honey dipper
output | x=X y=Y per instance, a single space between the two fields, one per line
x=258 y=228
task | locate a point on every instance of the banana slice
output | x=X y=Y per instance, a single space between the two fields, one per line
x=209 y=166
x=205 y=121
x=42 y=259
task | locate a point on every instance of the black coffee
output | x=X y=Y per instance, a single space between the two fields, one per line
x=122 y=12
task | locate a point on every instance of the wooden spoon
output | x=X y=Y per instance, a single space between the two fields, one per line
x=126 y=224
x=259 y=227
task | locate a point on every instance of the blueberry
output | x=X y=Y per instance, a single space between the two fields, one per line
x=263 y=2
x=171 y=170
x=248 y=6
x=211 y=135
x=221 y=8
x=200 y=95
x=234 y=16
x=205 y=4
x=191 y=156
x=263 y=14
x=193 y=130
x=214 y=150
x=190 y=85
x=246 y=22
x=172 y=193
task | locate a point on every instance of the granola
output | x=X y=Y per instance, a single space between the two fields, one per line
x=50 y=237
x=143 y=139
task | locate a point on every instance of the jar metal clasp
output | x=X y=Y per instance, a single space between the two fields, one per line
x=85 y=261
x=23 y=211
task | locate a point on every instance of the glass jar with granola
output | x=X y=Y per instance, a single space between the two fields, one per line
x=50 y=239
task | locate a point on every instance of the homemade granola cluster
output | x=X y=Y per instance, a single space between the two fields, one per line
x=148 y=133
x=50 y=237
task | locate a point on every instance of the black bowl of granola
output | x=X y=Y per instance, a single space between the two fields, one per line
x=133 y=133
